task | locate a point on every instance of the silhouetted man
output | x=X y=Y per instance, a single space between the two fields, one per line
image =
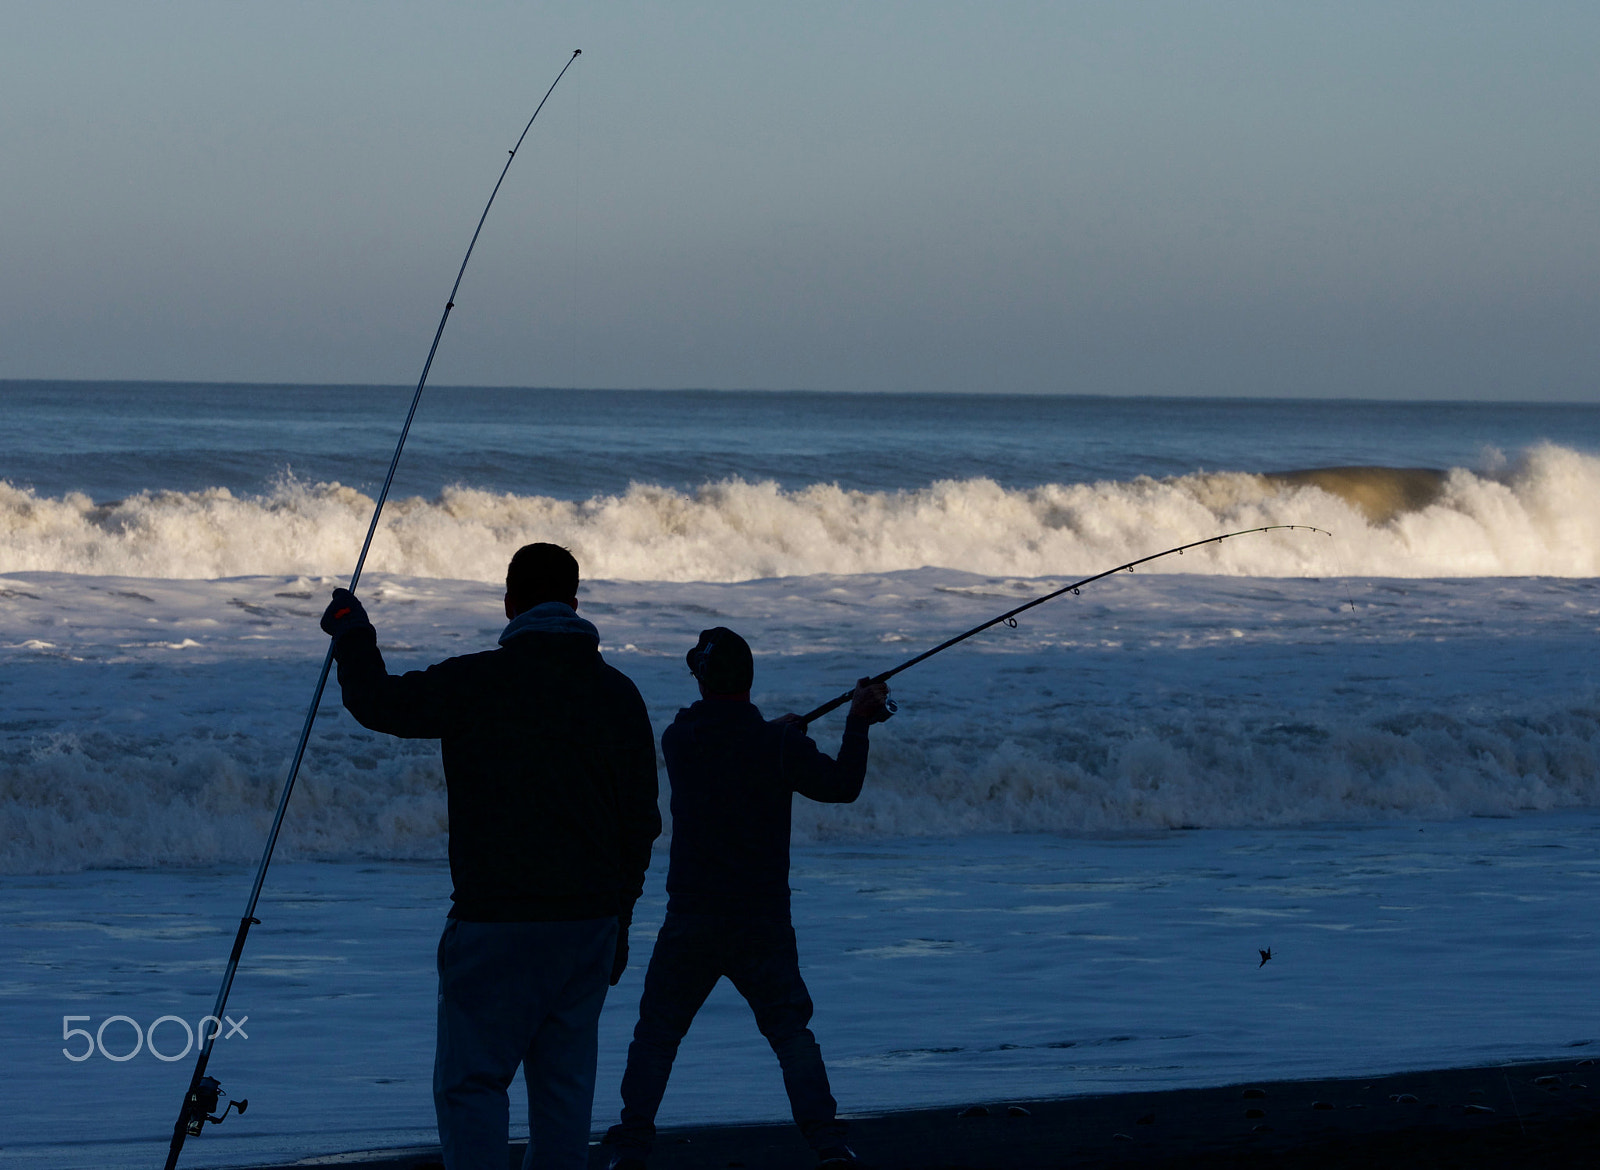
x=733 y=775
x=550 y=771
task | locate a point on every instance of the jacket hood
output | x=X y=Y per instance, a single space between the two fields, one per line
x=550 y=617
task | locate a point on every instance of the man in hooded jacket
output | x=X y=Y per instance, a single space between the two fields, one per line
x=550 y=773
x=733 y=776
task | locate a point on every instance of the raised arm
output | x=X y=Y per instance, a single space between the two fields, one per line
x=810 y=772
x=416 y=705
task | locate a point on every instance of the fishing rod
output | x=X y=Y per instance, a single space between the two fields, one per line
x=203 y=1092
x=1010 y=616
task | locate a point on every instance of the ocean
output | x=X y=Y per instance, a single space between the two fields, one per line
x=1376 y=751
x=191 y=481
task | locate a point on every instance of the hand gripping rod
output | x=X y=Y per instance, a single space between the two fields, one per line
x=192 y=1116
x=1010 y=615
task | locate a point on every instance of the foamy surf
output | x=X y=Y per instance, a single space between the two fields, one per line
x=1536 y=518
x=148 y=722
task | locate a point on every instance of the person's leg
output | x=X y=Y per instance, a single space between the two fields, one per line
x=683 y=969
x=575 y=965
x=483 y=1030
x=766 y=971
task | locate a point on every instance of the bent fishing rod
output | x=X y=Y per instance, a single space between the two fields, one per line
x=1010 y=616
x=203 y=1092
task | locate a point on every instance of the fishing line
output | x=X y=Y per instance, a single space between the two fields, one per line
x=575 y=310
x=1010 y=616
x=1342 y=562
x=203 y=1092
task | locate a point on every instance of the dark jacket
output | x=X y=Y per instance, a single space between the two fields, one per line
x=549 y=764
x=732 y=775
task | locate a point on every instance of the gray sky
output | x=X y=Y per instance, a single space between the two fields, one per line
x=1353 y=199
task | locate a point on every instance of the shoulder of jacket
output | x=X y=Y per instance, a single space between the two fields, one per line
x=614 y=676
x=475 y=661
x=614 y=680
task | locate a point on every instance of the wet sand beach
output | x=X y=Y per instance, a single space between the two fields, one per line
x=1544 y=1114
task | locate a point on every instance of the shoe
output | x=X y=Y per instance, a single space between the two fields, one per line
x=837 y=1157
x=622 y=1160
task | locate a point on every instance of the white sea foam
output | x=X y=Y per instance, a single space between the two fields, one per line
x=77 y=802
x=1536 y=518
x=149 y=722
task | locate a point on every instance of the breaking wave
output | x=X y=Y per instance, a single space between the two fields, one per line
x=1536 y=518
x=79 y=801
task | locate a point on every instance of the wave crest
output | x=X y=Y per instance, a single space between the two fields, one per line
x=1536 y=519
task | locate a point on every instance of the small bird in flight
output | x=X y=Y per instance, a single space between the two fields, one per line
x=1265 y=955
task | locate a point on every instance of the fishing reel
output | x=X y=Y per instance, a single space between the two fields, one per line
x=197 y=1110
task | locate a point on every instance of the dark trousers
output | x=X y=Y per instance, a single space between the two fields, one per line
x=519 y=993
x=759 y=957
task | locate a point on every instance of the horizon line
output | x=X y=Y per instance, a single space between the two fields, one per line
x=758 y=390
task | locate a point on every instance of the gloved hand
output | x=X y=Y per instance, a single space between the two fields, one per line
x=619 y=963
x=344 y=613
x=870 y=701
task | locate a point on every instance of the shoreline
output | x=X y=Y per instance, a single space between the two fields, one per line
x=1540 y=1113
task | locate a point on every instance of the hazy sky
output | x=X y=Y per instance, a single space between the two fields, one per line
x=1352 y=199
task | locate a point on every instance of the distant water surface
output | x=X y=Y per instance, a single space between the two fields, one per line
x=110 y=440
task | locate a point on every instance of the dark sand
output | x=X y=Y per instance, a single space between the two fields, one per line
x=1536 y=1115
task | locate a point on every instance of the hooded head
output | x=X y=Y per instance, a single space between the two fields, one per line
x=722 y=663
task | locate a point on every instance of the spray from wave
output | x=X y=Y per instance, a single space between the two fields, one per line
x=1535 y=519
